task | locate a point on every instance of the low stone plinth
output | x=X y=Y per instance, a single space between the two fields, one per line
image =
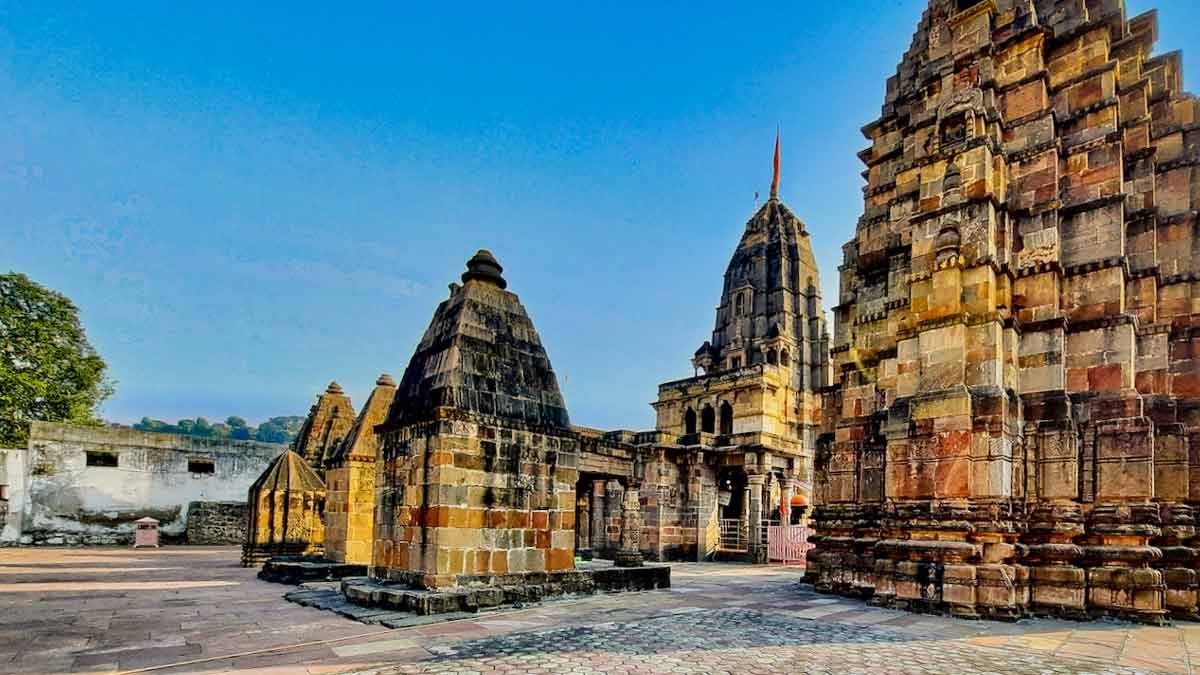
x=299 y=569
x=510 y=589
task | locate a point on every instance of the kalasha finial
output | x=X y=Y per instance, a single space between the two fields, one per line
x=775 y=179
x=334 y=388
x=385 y=380
x=484 y=267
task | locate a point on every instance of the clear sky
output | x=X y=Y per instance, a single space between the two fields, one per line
x=247 y=200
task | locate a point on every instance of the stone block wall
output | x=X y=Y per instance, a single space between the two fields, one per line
x=216 y=523
x=470 y=498
x=350 y=511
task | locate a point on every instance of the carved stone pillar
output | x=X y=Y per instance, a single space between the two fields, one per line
x=630 y=554
x=613 y=515
x=583 y=530
x=598 y=530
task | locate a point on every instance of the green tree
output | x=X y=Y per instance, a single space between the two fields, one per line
x=48 y=369
x=203 y=428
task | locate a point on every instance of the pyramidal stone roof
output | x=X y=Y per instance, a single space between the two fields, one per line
x=363 y=441
x=288 y=473
x=328 y=423
x=480 y=354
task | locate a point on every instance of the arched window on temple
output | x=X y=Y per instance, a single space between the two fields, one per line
x=772 y=357
x=726 y=418
x=707 y=420
x=739 y=304
x=689 y=421
x=785 y=357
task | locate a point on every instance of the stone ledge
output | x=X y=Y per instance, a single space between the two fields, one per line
x=298 y=570
x=590 y=578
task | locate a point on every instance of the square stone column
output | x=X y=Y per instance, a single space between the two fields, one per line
x=630 y=554
x=614 y=503
x=756 y=485
x=599 y=531
x=583 y=527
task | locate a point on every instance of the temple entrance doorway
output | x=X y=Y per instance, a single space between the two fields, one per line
x=731 y=499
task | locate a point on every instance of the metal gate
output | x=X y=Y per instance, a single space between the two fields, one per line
x=733 y=535
x=787 y=543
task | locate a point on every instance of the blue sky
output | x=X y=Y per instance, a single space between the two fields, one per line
x=247 y=200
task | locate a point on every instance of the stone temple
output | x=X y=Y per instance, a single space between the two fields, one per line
x=1005 y=423
x=1015 y=416
x=478 y=468
x=469 y=473
x=747 y=427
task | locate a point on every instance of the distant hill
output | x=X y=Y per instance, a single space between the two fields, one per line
x=274 y=430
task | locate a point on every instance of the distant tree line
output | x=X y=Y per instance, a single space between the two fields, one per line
x=274 y=430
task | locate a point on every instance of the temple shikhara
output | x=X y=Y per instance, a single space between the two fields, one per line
x=1004 y=423
x=1016 y=406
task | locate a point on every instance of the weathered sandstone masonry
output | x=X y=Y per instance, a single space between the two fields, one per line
x=350 y=482
x=1016 y=412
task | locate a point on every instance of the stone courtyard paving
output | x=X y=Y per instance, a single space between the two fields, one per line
x=194 y=610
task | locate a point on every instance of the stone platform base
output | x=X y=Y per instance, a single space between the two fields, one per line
x=590 y=577
x=297 y=570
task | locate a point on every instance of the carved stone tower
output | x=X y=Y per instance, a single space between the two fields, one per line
x=1014 y=343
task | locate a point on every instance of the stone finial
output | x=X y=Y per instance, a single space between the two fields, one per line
x=775 y=178
x=484 y=267
x=334 y=388
x=385 y=380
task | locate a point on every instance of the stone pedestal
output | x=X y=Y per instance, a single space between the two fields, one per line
x=1118 y=558
x=1058 y=586
x=1179 y=560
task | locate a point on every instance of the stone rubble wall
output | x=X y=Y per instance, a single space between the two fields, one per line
x=216 y=523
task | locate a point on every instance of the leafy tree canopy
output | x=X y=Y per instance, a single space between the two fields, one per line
x=48 y=369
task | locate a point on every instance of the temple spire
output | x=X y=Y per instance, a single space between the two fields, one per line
x=775 y=178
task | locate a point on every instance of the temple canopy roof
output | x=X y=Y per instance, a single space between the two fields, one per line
x=288 y=473
x=480 y=354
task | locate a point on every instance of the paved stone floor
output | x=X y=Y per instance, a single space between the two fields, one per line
x=193 y=610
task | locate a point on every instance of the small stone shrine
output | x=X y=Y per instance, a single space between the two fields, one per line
x=477 y=469
x=285 y=512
